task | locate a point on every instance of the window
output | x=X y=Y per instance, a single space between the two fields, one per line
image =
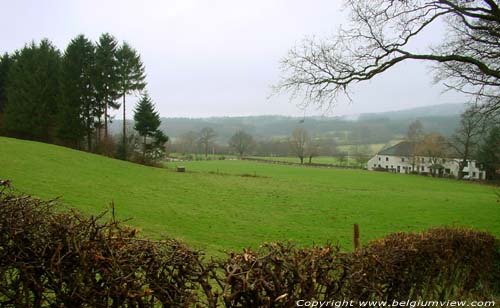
x=403 y=159
x=422 y=168
x=379 y=158
x=423 y=160
x=387 y=159
x=473 y=174
x=386 y=167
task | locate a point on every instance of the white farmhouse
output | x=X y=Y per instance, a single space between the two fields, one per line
x=398 y=159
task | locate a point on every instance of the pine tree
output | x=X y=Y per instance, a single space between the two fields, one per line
x=106 y=79
x=131 y=78
x=77 y=99
x=147 y=121
x=32 y=92
x=5 y=63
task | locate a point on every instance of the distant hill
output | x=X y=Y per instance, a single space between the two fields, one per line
x=425 y=111
x=367 y=128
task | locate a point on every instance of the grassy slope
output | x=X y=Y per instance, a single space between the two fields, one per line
x=228 y=211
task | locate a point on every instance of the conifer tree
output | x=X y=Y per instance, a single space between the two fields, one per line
x=147 y=122
x=106 y=79
x=32 y=92
x=5 y=62
x=131 y=78
x=77 y=99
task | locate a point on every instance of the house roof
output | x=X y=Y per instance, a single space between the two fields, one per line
x=401 y=149
x=404 y=148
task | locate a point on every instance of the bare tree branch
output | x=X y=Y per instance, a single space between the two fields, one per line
x=380 y=35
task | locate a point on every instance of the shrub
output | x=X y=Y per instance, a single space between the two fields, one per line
x=64 y=259
x=440 y=263
x=278 y=274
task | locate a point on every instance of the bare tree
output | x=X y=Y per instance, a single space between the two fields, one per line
x=298 y=142
x=466 y=139
x=380 y=36
x=206 y=136
x=434 y=147
x=414 y=136
x=241 y=142
x=313 y=148
x=361 y=154
x=186 y=142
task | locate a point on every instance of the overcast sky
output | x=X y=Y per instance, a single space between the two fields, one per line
x=217 y=58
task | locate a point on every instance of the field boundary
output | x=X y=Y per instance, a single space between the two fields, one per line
x=314 y=165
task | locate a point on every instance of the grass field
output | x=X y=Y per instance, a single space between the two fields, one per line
x=224 y=205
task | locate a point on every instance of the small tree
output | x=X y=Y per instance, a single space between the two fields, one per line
x=241 y=142
x=206 y=136
x=361 y=154
x=414 y=136
x=298 y=142
x=147 y=122
x=433 y=146
x=312 y=149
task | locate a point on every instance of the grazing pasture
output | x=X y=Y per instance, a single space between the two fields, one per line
x=230 y=204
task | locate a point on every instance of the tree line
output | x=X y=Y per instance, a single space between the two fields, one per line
x=66 y=97
x=300 y=144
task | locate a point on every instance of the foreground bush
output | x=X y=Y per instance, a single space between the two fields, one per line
x=52 y=258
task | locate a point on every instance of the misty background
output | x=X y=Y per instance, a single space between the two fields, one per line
x=220 y=58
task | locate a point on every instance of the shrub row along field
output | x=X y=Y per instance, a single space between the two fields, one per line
x=222 y=205
x=64 y=259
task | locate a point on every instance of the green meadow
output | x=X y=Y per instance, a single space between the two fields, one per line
x=230 y=204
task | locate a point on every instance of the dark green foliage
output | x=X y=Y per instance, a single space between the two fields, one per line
x=106 y=78
x=147 y=122
x=54 y=258
x=77 y=101
x=5 y=63
x=67 y=99
x=32 y=92
x=131 y=75
x=131 y=71
x=489 y=153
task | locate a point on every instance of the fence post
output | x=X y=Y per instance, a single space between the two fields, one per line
x=356 y=236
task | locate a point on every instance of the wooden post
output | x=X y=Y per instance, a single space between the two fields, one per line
x=356 y=237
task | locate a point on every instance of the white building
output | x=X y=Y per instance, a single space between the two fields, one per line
x=398 y=159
